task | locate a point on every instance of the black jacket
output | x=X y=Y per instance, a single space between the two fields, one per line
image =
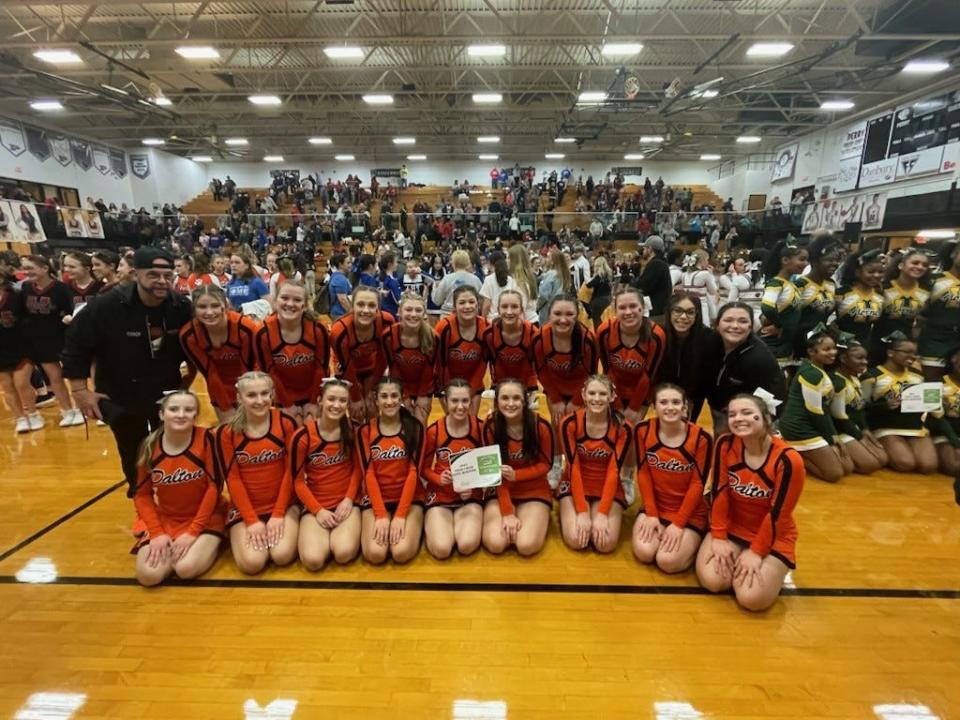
x=655 y=283
x=743 y=370
x=113 y=331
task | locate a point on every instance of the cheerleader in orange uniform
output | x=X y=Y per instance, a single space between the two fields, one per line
x=631 y=348
x=519 y=513
x=326 y=477
x=252 y=454
x=595 y=444
x=461 y=353
x=674 y=463
x=757 y=480
x=356 y=341
x=410 y=346
x=177 y=498
x=390 y=444
x=508 y=342
x=220 y=343
x=294 y=349
x=452 y=519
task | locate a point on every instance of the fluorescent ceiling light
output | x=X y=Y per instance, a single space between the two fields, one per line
x=749 y=139
x=651 y=139
x=486 y=50
x=565 y=140
x=709 y=156
x=61 y=57
x=488 y=139
x=273 y=158
x=236 y=141
x=202 y=158
x=378 y=99
x=621 y=49
x=944 y=234
x=46 y=105
x=264 y=99
x=162 y=101
x=404 y=141
x=926 y=67
x=416 y=157
x=710 y=93
x=153 y=141
x=198 y=52
x=554 y=156
x=487 y=97
x=343 y=52
x=769 y=49
x=320 y=141
x=113 y=89
x=836 y=105
x=488 y=157
x=592 y=97
x=343 y=157
x=634 y=156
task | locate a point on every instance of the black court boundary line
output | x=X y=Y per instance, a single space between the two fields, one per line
x=60 y=520
x=543 y=588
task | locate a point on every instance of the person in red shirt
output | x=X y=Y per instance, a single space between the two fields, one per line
x=220 y=343
x=674 y=465
x=183 y=267
x=757 y=481
x=201 y=274
x=508 y=342
x=461 y=353
x=252 y=455
x=453 y=519
x=392 y=505
x=595 y=442
x=294 y=349
x=326 y=472
x=518 y=511
x=177 y=498
x=356 y=341
x=78 y=267
x=410 y=346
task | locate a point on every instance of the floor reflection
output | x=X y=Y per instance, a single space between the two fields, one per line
x=50 y=706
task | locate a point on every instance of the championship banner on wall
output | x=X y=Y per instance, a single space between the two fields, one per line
x=851 y=154
x=20 y=223
x=140 y=165
x=833 y=214
x=784 y=163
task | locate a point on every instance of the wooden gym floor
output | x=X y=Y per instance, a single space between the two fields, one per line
x=869 y=626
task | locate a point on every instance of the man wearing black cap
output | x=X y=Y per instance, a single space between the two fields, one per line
x=654 y=281
x=130 y=335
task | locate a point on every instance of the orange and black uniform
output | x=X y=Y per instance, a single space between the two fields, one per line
x=178 y=494
x=593 y=464
x=440 y=449
x=531 y=473
x=324 y=472
x=390 y=479
x=511 y=361
x=411 y=366
x=671 y=479
x=221 y=366
x=199 y=280
x=459 y=357
x=561 y=374
x=81 y=296
x=257 y=471
x=358 y=361
x=297 y=368
x=630 y=368
x=756 y=506
x=181 y=284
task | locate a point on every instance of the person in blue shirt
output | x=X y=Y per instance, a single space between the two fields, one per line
x=244 y=286
x=339 y=287
x=365 y=272
x=390 y=289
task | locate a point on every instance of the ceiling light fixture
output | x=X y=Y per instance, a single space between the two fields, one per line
x=710 y=94
x=60 y=57
x=378 y=99
x=749 y=139
x=152 y=141
x=416 y=157
x=273 y=158
x=264 y=99
x=836 y=105
x=197 y=52
x=554 y=156
x=926 y=67
x=46 y=105
x=651 y=139
x=488 y=157
x=343 y=52
x=709 y=156
x=236 y=141
x=769 y=49
x=320 y=141
x=343 y=158
x=621 y=49
x=487 y=98
x=634 y=156
x=162 y=101
x=404 y=141
x=112 y=88
x=565 y=140
x=486 y=50
x=202 y=158
x=592 y=97
x=488 y=139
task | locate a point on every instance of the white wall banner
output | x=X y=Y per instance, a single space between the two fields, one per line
x=848 y=171
x=11 y=137
x=140 y=165
x=60 y=145
x=951 y=158
x=878 y=173
x=852 y=143
x=922 y=162
x=835 y=213
x=784 y=163
x=24 y=223
x=101 y=159
x=73 y=222
x=91 y=218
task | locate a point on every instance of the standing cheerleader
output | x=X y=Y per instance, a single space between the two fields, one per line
x=356 y=340
x=735 y=282
x=817 y=290
x=326 y=472
x=905 y=295
x=15 y=369
x=519 y=514
x=252 y=454
x=453 y=519
x=945 y=425
x=460 y=353
x=78 y=267
x=812 y=404
x=780 y=307
x=294 y=349
x=392 y=505
x=902 y=435
x=674 y=458
x=410 y=346
x=941 y=328
x=595 y=443
x=46 y=302
x=177 y=498
x=859 y=300
x=757 y=481
x=698 y=279
x=508 y=342
x=220 y=343
x=859 y=443
x=631 y=347
x=183 y=268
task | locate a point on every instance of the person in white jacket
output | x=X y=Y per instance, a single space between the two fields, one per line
x=442 y=292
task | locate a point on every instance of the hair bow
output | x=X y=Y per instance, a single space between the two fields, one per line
x=339 y=381
x=768 y=400
x=846 y=340
x=893 y=338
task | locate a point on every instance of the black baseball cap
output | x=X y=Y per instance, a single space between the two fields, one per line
x=152 y=257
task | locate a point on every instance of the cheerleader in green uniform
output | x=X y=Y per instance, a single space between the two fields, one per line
x=941 y=316
x=902 y=435
x=859 y=300
x=780 y=306
x=863 y=448
x=945 y=426
x=904 y=296
x=816 y=289
x=807 y=423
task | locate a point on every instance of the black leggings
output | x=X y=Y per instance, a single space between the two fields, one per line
x=129 y=430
